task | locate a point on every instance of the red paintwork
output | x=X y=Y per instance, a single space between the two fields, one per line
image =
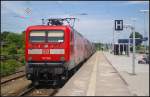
x=77 y=49
x=41 y=57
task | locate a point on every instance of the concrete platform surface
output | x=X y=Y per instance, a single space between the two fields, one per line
x=95 y=78
x=138 y=84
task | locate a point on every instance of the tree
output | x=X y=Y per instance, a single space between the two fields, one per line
x=15 y=38
x=23 y=39
x=4 y=35
x=137 y=35
x=14 y=46
x=12 y=49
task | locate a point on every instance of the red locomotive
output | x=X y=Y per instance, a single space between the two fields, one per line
x=53 y=50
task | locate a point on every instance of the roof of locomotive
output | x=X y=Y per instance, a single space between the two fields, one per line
x=47 y=27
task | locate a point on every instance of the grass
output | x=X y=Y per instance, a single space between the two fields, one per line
x=9 y=66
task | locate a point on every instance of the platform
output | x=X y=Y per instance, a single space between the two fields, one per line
x=95 y=78
x=138 y=83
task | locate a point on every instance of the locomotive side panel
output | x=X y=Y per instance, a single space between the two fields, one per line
x=72 y=63
x=78 y=48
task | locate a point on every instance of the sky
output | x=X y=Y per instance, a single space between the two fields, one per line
x=96 y=26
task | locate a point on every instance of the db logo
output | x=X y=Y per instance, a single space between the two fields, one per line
x=45 y=51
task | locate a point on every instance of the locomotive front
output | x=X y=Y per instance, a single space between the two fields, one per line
x=46 y=52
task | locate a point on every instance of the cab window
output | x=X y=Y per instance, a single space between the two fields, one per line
x=37 y=36
x=55 y=36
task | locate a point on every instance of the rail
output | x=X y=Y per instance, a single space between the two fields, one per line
x=13 y=78
x=26 y=91
x=31 y=90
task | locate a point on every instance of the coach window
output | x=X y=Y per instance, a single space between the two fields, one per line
x=37 y=36
x=55 y=36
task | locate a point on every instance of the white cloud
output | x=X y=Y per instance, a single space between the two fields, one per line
x=15 y=7
x=137 y=2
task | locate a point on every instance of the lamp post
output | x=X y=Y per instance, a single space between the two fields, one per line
x=133 y=59
x=133 y=56
x=145 y=32
x=113 y=39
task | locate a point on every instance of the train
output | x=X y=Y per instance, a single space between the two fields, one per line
x=51 y=51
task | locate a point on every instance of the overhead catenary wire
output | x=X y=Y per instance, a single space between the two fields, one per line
x=72 y=23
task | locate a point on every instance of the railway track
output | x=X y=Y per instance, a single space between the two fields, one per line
x=13 y=76
x=26 y=91
x=33 y=91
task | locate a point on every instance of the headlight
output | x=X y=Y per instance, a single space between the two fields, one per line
x=57 y=51
x=34 y=51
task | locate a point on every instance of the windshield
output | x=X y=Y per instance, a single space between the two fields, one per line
x=55 y=36
x=47 y=36
x=37 y=36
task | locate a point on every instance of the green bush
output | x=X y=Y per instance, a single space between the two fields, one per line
x=22 y=60
x=20 y=51
x=9 y=66
x=14 y=50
